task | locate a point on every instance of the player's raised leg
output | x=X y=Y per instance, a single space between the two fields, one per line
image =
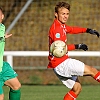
x=91 y=71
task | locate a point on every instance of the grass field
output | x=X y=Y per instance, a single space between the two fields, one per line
x=55 y=92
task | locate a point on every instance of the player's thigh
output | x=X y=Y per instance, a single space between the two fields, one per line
x=88 y=70
x=13 y=83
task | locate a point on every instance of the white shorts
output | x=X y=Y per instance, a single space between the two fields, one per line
x=69 y=70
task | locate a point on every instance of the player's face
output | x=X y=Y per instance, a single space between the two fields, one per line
x=1 y=16
x=62 y=15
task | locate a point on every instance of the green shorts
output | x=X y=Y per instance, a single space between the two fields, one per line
x=6 y=74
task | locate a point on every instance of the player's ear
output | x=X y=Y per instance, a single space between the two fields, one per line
x=2 y=16
x=56 y=15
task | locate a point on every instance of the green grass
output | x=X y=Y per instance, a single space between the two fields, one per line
x=53 y=92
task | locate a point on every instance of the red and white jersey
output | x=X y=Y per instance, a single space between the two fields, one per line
x=59 y=31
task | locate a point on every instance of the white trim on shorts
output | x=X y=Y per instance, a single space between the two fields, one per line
x=69 y=70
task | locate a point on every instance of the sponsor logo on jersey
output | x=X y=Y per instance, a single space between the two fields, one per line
x=57 y=35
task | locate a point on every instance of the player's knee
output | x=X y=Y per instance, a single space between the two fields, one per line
x=77 y=88
x=17 y=87
x=1 y=96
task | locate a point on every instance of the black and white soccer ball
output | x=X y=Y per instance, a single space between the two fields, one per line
x=58 y=48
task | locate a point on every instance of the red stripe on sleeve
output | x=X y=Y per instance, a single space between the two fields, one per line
x=71 y=47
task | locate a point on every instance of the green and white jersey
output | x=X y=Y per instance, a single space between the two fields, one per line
x=2 y=44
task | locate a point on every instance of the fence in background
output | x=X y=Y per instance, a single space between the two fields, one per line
x=10 y=54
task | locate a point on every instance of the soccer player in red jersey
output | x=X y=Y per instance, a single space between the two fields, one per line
x=65 y=68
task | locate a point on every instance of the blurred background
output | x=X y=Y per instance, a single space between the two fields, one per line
x=30 y=33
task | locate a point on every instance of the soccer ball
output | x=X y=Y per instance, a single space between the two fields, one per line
x=58 y=48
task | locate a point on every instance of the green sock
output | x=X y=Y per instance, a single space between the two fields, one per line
x=14 y=94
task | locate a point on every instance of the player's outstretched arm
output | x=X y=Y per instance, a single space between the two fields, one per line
x=94 y=32
x=81 y=46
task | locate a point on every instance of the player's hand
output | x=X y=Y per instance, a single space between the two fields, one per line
x=94 y=32
x=7 y=35
x=81 y=46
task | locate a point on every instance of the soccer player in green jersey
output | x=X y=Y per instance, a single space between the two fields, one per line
x=7 y=75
